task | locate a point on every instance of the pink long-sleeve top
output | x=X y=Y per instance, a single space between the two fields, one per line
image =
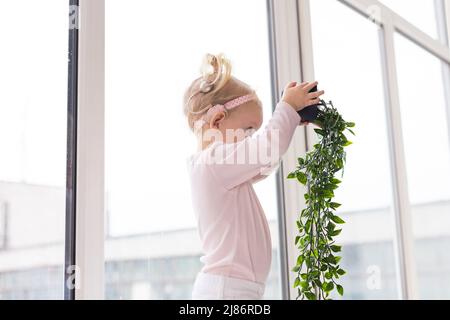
x=232 y=226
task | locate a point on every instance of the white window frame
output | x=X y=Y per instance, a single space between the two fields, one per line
x=90 y=235
x=286 y=61
x=391 y=23
x=292 y=60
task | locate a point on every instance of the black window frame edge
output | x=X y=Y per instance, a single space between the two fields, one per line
x=71 y=155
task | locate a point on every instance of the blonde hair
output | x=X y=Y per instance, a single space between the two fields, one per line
x=215 y=86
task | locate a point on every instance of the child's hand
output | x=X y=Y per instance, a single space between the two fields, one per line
x=299 y=97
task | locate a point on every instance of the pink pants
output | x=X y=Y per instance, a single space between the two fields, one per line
x=209 y=286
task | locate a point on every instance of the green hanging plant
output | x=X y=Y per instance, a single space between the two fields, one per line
x=317 y=265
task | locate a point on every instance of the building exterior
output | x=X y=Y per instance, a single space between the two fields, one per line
x=163 y=265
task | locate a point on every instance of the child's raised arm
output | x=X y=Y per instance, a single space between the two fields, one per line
x=252 y=158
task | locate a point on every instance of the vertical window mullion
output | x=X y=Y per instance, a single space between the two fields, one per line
x=443 y=21
x=282 y=241
x=404 y=238
x=90 y=151
x=287 y=63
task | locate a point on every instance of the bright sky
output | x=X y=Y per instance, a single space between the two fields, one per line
x=33 y=92
x=153 y=52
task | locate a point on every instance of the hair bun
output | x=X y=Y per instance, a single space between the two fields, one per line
x=216 y=71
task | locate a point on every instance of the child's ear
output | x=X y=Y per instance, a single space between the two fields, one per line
x=217 y=119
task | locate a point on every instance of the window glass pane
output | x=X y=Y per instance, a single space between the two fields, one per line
x=426 y=142
x=33 y=104
x=351 y=76
x=421 y=13
x=153 y=52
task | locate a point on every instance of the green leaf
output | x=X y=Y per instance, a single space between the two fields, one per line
x=330 y=259
x=335 y=181
x=296 y=269
x=310 y=295
x=350 y=124
x=337 y=219
x=336 y=248
x=341 y=272
x=328 y=194
x=340 y=289
x=320 y=131
x=330 y=226
x=296 y=282
x=304 y=284
x=335 y=232
x=315 y=253
x=347 y=143
x=301 y=177
x=335 y=205
x=300 y=260
x=291 y=175
x=317 y=283
x=308 y=263
x=331 y=187
x=315 y=273
x=330 y=286
x=308 y=226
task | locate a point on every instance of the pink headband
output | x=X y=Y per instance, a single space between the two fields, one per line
x=224 y=107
